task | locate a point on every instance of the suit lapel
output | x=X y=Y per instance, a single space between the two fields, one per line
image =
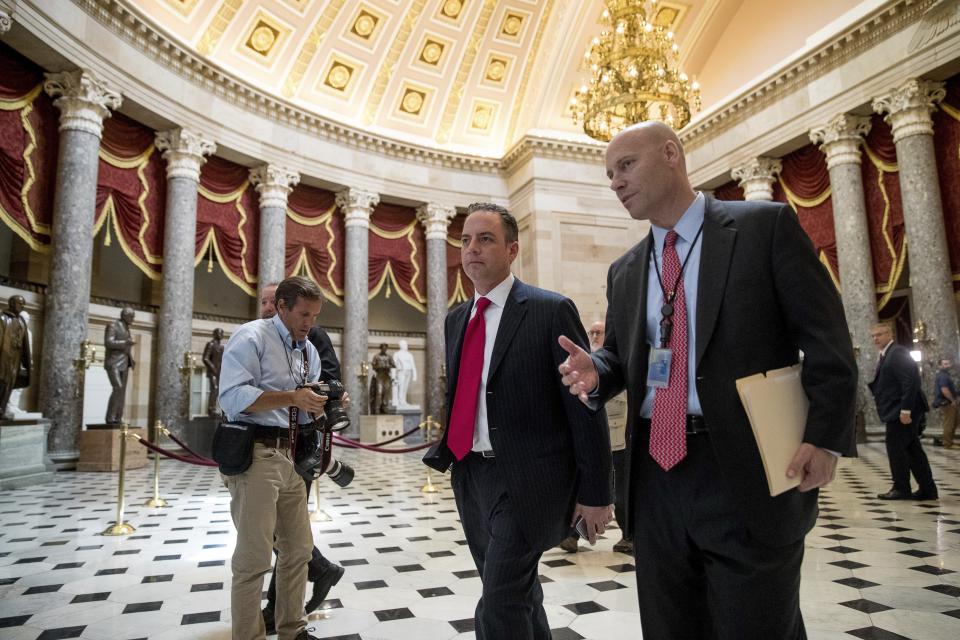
x=718 y=241
x=513 y=313
x=637 y=271
x=460 y=328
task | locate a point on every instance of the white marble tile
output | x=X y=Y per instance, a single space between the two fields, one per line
x=917 y=624
x=608 y=625
x=410 y=628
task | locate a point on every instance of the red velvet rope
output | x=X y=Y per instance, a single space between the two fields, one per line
x=183 y=446
x=353 y=444
x=380 y=444
x=170 y=454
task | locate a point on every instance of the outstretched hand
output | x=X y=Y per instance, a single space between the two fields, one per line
x=578 y=371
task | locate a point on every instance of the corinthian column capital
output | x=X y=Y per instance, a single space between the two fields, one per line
x=5 y=21
x=185 y=152
x=357 y=206
x=840 y=138
x=82 y=98
x=274 y=184
x=908 y=107
x=435 y=219
x=757 y=177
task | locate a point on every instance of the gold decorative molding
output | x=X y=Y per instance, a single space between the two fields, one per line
x=309 y=49
x=451 y=9
x=339 y=74
x=413 y=100
x=211 y=37
x=366 y=26
x=431 y=52
x=511 y=27
x=528 y=69
x=482 y=115
x=183 y=7
x=455 y=97
x=496 y=68
x=390 y=62
x=669 y=15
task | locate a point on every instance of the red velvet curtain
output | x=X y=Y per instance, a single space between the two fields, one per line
x=729 y=191
x=228 y=222
x=398 y=255
x=459 y=287
x=881 y=190
x=315 y=239
x=946 y=127
x=805 y=184
x=131 y=192
x=28 y=150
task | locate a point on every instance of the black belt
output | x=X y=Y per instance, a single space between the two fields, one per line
x=276 y=437
x=695 y=425
x=483 y=454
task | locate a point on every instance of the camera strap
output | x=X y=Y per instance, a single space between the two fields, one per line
x=294 y=411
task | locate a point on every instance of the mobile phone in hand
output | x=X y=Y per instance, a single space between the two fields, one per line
x=580 y=526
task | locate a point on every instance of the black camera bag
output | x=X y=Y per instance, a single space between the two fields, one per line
x=232 y=447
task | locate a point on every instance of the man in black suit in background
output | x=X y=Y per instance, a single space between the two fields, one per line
x=527 y=457
x=901 y=405
x=717 y=291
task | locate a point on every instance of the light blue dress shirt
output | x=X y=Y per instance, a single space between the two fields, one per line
x=687 y=228
x=261 y=356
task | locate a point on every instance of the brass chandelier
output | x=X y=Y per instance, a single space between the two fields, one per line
x=634 y=74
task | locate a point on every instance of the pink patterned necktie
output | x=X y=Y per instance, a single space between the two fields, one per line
x=668 y=437
x=463 y=416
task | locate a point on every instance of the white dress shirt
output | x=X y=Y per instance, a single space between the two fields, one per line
x=498 y=299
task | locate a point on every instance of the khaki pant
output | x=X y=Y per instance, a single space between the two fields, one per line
x=948 y=413
x=269 y=508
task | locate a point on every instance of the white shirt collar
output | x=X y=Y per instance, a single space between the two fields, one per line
x=285 y=333
x=499 y=294
x=883 y=351
x=689 y=223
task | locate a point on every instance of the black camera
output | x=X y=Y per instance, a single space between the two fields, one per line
x=309 y=458
x=333 y=411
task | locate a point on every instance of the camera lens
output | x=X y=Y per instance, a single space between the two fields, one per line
x=341 y=473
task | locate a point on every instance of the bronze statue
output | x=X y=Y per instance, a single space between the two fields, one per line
x=380 y=382
x=14 y=351
x=118 y=360
x=212 y=357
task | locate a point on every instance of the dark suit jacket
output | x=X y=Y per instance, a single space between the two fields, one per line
x=897 y=387
x=762 y=297
x=329 y=364
x=551 y=449
x=117 y=353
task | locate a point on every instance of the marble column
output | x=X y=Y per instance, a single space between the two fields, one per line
x=357 y=207
x=756 y=177
x=84 y=101
x=274 y=184
x=435 y=219
x=184 y=152
x=908 y=109
x=840 y=141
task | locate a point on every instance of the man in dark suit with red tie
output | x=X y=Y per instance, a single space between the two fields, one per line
x=716 y=292
x=527 y=457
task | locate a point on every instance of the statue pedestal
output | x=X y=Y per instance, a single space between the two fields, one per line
x=380 y=427
x=23 y=453
x=411 y=419
x=100 y=448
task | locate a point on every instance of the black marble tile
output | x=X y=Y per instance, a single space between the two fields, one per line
x=866 y=606
x=857 y=583
x=369 y=584
x=558 y=563
x=354 y=563
x=407 y=568
x=622 y=568
x=945 y=589
x=565 y=634
x=14 y=621
x=876 y=633
x=440 y=554
x=393 y=614
x=434 y=592
x=111 y=572
x=62 y=633
x=470 y=573
x=47 y=588
x=934 y=571
x=848 y=564
x=917 y=553
x=606 y=585
x=162 y=578
x=141 y=607
x=197 y=618
x=463 y=626
x=207 y=586
x=583 y=608
x=90 y=597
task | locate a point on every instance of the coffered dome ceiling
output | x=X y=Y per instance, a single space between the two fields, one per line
x=465 y=75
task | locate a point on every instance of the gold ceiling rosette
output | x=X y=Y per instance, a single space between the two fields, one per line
x=634 y=74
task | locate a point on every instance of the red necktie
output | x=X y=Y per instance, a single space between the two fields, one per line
x=668 y=427
x=463 y=416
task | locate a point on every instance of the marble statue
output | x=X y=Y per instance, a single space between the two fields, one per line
x=14 y=350
x=404 y=374
x=212 y=357
x=380 y=385
x=118 y=360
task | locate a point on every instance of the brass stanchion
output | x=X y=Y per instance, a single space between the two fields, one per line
x=120 y=528
x=156 y=502
x=318 y=514
x=426 y=425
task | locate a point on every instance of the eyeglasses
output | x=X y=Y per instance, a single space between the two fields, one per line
x=594 y=333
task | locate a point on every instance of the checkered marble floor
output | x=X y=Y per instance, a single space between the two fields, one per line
x=872 y=570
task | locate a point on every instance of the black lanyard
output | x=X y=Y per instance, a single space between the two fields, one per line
x=666 y=311
x=294 y=411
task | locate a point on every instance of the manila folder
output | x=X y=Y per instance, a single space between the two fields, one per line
x=777 y=408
